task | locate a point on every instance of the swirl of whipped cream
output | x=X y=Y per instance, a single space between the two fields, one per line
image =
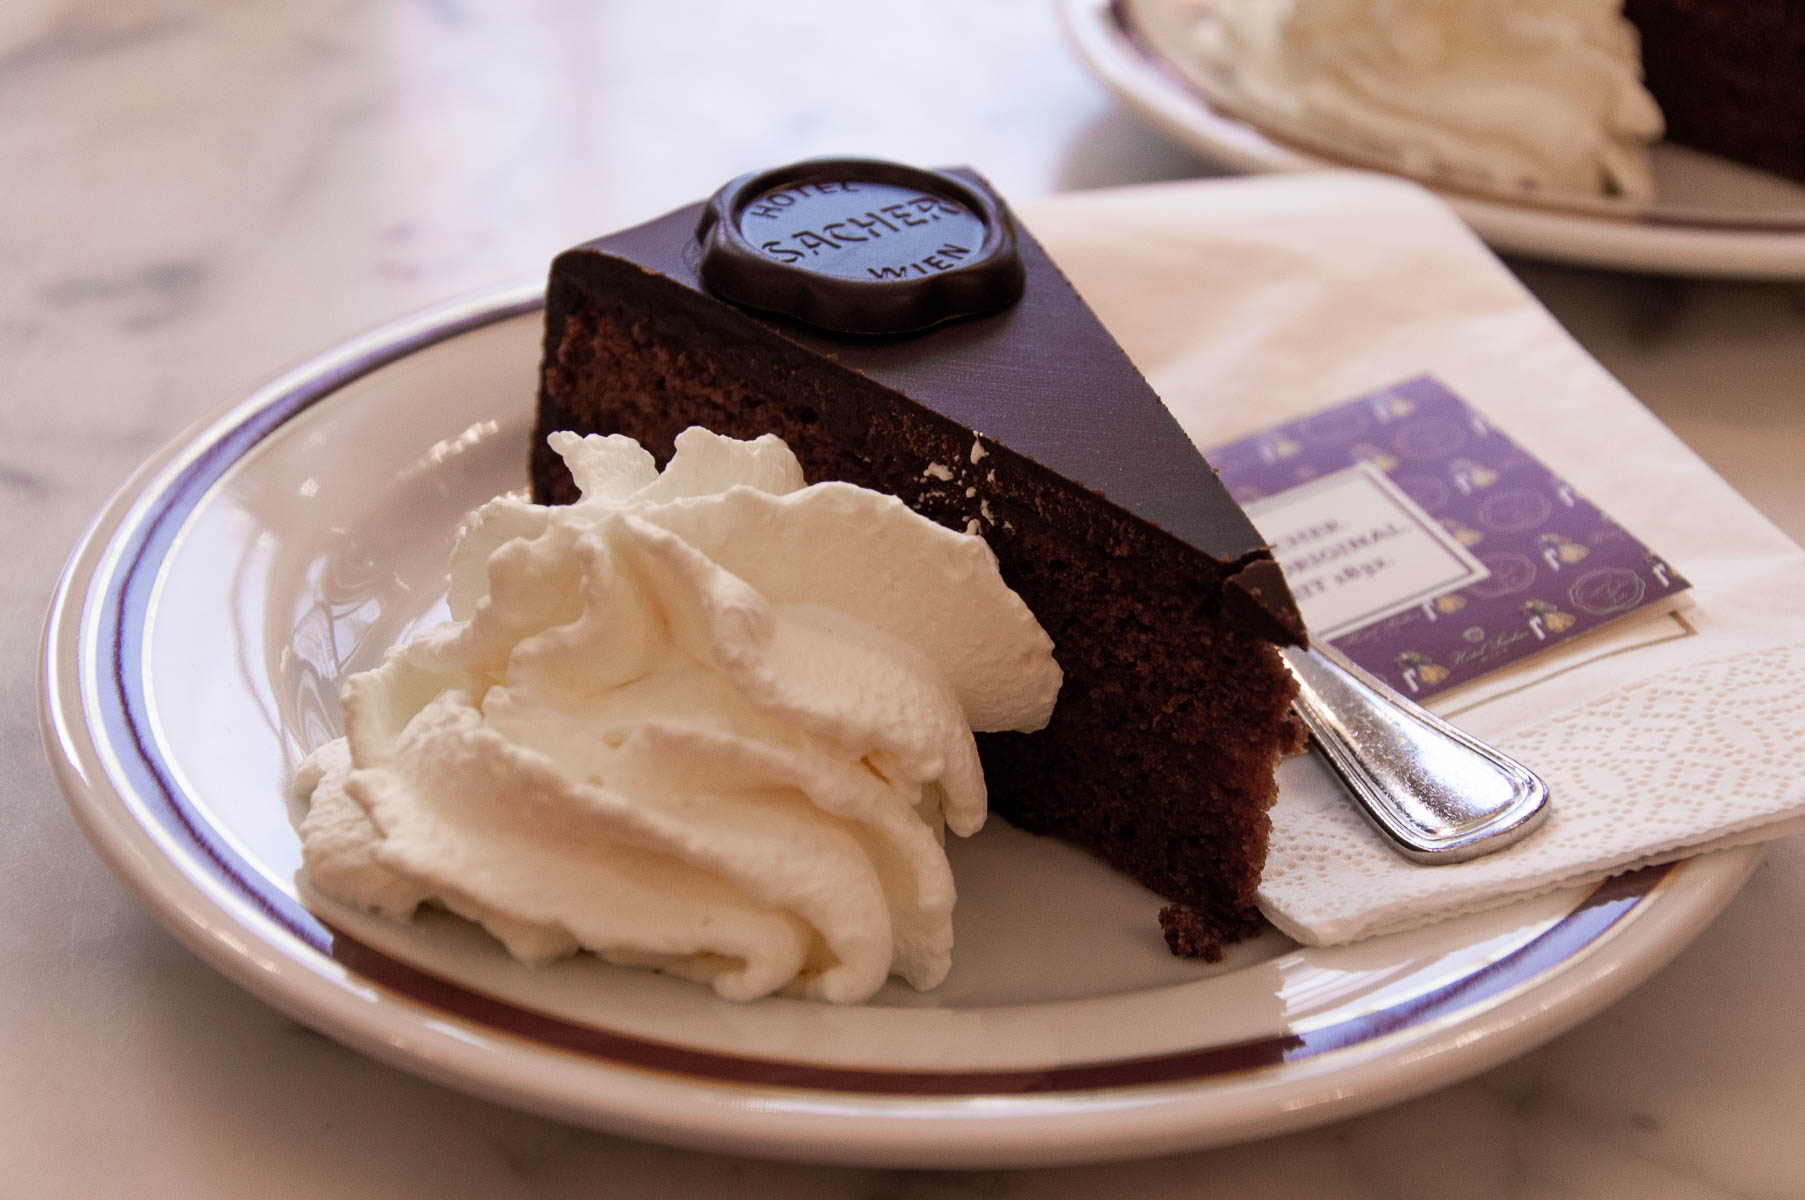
x=709 y=721
x=1540 y=96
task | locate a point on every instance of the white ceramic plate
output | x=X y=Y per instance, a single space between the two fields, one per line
x=1712 y=217
x=193 y=653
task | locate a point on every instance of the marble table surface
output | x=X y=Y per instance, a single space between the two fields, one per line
x=199 y=194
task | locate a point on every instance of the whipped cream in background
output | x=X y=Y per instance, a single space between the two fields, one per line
x=1541 y=96
x=710 y=721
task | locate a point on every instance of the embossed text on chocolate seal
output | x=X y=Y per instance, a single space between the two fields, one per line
x=860 y=246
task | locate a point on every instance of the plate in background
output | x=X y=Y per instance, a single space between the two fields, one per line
x=1713 y=218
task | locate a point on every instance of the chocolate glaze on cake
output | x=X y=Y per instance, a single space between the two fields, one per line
x=1027 y=425
x=1729 y=76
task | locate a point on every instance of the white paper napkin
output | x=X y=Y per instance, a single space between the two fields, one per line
x=1251 y=301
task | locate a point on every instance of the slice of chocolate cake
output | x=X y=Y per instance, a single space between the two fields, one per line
x=1729 y=76
x=897 y=330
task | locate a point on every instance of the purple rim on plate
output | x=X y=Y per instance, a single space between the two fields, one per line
x=122 y=627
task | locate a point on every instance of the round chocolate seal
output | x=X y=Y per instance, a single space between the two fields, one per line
x=858 y=245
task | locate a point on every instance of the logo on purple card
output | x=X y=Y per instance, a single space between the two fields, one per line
x=1429 y=547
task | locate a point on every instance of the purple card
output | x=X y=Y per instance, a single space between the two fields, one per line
x=1429 y=547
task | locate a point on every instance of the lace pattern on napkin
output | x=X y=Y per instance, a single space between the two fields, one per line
x=1700 y=758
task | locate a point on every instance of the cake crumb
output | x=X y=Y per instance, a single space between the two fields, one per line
x=1188 y=935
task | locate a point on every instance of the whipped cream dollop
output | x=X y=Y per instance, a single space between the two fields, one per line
x=1541 y=96
x=709 y=721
